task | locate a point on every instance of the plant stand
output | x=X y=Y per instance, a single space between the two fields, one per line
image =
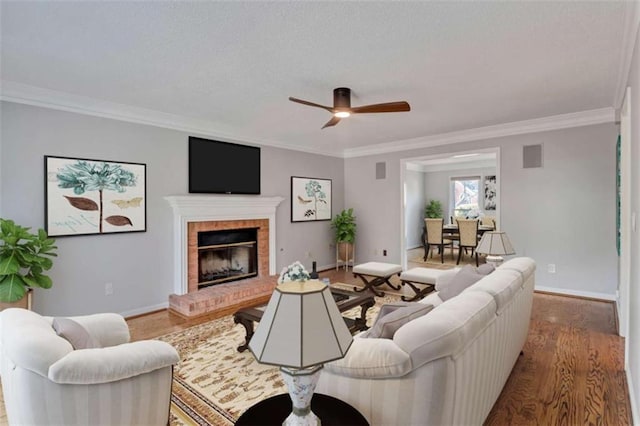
x=345 y=255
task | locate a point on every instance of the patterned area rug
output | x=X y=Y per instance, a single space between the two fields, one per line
x=214 y=383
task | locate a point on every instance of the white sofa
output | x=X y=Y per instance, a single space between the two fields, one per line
x=46 y=382
x=447 y=367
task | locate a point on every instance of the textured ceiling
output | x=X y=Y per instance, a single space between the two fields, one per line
x=461 y=65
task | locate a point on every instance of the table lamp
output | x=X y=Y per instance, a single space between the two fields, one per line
x=300 y=330
x=495 y=244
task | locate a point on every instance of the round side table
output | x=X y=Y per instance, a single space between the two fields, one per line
x=331 y=412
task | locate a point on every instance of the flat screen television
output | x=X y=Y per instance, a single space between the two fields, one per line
x=223 y=168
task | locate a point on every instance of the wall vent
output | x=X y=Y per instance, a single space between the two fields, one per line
x=531 y=156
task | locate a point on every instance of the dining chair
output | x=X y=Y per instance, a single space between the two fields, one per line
x=434 y=237
x=468 y=231
x=488 y=221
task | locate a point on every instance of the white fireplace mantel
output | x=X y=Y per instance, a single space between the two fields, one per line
x=200 y=208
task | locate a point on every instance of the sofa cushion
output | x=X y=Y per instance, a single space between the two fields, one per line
x=386 y=326
x=502 y=285
x=463 y=279
x=448 y=329
x=373 y=359
x=485 y=269
x=74 y=333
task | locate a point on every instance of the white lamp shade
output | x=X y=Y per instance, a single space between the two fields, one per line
x=495 y=243
x=301 y=327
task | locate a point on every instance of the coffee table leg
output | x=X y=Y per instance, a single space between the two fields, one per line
x=248 y=326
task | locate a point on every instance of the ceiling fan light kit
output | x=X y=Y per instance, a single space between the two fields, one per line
x=342 y=106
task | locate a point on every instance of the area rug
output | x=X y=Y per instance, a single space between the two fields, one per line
x=213 y=382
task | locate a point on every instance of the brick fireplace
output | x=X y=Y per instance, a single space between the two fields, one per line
x=196 y=215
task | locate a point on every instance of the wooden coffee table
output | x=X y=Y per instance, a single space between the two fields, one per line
x=344 y=299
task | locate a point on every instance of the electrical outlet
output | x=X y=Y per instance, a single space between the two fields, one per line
x=384 y=252
x=375 y=252
x=551 y=268
x=108 y=289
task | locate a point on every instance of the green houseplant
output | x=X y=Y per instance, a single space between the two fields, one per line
x=345 y=230
x=24 y=256
x=433 y=209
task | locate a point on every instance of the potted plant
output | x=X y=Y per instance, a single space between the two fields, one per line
x=345 y=227
x=24 y=256
x=433 y=209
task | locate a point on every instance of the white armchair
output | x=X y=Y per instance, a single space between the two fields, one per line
x=46 y=381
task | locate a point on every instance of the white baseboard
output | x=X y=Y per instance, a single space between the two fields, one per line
x=632 y=398
x=579 y=293
x=144 y=310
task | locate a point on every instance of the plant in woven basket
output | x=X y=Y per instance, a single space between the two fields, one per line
x=24 y=256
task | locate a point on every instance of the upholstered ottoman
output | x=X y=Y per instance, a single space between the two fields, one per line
x=423 y=276
x=375 y=274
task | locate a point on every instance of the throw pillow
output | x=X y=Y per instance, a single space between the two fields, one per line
x=386 y=326
x=466 y=277
x=74 y=333
x=485 y=269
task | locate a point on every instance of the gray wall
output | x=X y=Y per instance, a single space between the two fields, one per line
x=563 y=213
x=414 y=208
x=140 y=265
x=633 y=337
x=437 y=186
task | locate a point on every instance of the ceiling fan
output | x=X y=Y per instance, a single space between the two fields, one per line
x=342 y=106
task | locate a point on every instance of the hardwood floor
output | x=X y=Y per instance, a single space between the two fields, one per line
x=571 y=372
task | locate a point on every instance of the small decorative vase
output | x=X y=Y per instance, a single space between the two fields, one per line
x=314 y=273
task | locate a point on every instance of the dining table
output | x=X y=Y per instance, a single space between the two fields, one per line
x=451 y=231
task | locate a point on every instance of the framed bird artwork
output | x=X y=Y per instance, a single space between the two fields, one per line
x=310 y=199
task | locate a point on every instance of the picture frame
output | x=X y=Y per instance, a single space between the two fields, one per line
x=89 y=197
x=310 y=199
x=490 y=192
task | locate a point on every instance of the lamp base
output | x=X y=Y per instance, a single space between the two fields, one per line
x=301 y=384
x=495 y=260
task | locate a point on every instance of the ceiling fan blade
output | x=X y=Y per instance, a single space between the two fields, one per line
x=400 y=106
x=334 y=120
x=300 y=101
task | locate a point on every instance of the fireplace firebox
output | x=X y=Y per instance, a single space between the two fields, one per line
x=227 y=255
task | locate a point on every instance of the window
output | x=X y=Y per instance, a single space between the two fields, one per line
x=464 y=196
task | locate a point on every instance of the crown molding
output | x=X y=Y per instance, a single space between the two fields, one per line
x=31 y=95
x=555 y=122
x=631 y=26
x=11 y=91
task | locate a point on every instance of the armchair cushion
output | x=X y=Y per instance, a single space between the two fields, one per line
x=91 y=366
x=76 y=334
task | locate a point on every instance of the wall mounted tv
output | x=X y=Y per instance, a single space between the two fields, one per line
x=223 y=168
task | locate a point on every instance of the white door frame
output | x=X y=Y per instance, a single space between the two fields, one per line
x=625 y=219
x=403 y=168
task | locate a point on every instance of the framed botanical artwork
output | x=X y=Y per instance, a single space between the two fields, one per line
x=310 y=199
x=489 y=192
x=86 y=197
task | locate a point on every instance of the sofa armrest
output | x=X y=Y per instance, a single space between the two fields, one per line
x=372 y=358
x=103 y=365
x=108 y=329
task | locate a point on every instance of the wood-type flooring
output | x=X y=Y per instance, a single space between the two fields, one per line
x=571 y=372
